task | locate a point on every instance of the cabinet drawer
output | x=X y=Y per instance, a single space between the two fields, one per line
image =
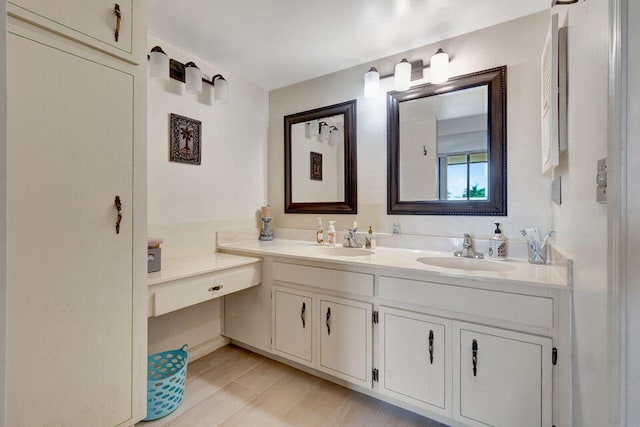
x=335 y=280
x=177 y=294
x=524 y=309
x=92 y=23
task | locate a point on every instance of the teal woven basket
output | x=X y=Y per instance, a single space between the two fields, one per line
x=166 y=377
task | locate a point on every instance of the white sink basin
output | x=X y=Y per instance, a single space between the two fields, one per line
x=342 y=251
x=470 y=264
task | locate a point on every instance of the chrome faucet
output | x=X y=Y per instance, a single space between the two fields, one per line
x=350 y=239
x=467 y=249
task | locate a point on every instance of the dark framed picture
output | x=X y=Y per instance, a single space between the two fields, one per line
x=184 y=140
x=316 y=166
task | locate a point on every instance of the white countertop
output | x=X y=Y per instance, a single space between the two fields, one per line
x=179 y=268
x=405 y=259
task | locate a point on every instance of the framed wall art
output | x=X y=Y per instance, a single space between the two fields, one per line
x=316 y=166
x=184 y=140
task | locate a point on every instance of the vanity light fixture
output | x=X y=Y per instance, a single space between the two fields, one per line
x=163 y=67
x=221 y=88
x=159 y=63
x=405 y=72
x=325 y=131
x=371 y=83
x=440 y=67
x=193 y=77
x=402 y=75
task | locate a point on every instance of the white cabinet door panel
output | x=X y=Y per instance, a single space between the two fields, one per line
x=70 y=276
x=415 y=358
x=292 y=320
x=511 y=385
x=345 y=339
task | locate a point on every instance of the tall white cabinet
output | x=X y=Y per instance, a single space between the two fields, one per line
x=76 y=336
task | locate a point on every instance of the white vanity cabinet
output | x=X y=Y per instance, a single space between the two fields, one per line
x=329 y=333
x=345 y=339
x=502 y=378
x=412 y=337
x=415 y=361
x=293 y=324
x=93 y=23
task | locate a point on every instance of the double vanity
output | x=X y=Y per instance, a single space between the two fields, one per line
x=464 y=341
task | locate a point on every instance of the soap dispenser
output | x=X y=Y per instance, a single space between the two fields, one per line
x=498 y=244
x=370 y=239
x=319 y=232
x=331 y=234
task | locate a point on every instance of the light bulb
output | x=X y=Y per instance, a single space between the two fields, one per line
x=402 y=75
x=193 y=78
x=371 y=83
x=439 y=67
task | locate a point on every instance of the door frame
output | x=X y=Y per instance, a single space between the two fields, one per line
x=3 y=205
x=619 y=274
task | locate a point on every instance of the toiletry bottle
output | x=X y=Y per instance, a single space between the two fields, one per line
x=370 y=239
x=498 y=244
x=355 y=227
x=331 y=234
x=319 y=232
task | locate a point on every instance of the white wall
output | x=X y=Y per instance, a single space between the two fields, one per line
x=518 y=44
x=187 y=204
x=3 y=202
x=580 y=221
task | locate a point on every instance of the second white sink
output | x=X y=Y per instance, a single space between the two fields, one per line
x=466 y=263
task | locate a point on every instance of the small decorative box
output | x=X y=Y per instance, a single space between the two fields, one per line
x=154 y=256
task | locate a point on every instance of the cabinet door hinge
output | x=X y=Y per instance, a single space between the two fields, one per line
x=374 y=315
x=374 y=375
x=554 y=356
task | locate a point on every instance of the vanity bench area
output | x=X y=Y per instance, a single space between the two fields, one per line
x=486 y=344
x=186 y=281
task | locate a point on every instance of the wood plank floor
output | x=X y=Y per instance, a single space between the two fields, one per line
x=234 y=387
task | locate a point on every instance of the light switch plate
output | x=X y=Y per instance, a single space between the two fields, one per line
x=601 y=181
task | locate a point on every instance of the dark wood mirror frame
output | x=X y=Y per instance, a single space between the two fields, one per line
x=349 y=205
x=496 y=205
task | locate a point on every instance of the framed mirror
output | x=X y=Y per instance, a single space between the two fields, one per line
x=320 y=160
x=447 y=147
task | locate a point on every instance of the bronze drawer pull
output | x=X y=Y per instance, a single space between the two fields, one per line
x=118 y=204
x=118 y=19
x=215 y=288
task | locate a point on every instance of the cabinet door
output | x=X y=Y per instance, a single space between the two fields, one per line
x=70 y=299
x=90 y=22
x=292 y=327
x=507 y=383
x=345 y=339
x=414 y=359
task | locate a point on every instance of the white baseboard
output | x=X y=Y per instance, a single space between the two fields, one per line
x=207 y=347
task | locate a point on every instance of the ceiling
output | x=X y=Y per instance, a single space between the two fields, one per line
x=277 y=43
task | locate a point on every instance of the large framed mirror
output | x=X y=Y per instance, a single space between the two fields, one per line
x=447 y=147
x=320 y=160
